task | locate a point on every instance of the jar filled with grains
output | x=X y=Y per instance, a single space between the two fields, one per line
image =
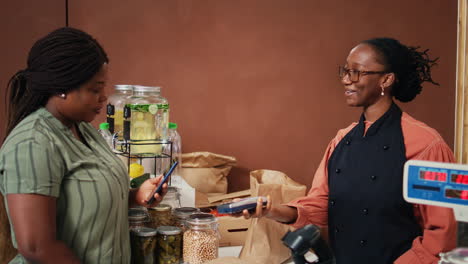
x=169 y=245
x=160 y=215
x=143 y=244
x=137 y=217
x=181 y=214
x=201 y=239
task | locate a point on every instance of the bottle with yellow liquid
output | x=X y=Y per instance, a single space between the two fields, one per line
x=146 y=117
x=115 y=106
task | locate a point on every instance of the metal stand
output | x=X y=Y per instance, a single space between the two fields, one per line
x=162 y=159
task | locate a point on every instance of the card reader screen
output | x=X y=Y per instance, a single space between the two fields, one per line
x=459 y=178
x=457 y=194
x=432 y=175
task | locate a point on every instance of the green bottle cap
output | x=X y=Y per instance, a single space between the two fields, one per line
x=103 y=126
x=172 y=125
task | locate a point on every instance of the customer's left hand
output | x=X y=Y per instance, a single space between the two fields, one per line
x=146 y=188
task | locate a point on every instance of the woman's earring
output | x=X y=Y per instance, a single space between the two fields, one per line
x=382 y=93
x=63 y=95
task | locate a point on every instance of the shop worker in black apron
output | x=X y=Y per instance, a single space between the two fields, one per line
x=357 y=189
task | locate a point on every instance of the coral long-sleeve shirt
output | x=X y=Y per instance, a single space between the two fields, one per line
x=438 y=223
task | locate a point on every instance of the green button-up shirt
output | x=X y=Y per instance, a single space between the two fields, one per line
x=41 y=156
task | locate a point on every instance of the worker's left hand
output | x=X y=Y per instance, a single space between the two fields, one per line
x=146 y=188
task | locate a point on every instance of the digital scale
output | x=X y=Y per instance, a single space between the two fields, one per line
x=441 y=184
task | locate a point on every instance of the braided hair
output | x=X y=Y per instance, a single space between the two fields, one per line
x=410 y=66
x=58 y=63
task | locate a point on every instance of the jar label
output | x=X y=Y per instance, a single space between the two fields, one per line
x=110 y=109
x=127 y=112
x=110 y=120
x=126 y=132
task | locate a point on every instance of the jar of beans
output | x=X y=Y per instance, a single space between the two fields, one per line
x=143 y=244
x=160 y=215
x=137 y=217
x=169 y=245
x=201 y=239
x=181 y=215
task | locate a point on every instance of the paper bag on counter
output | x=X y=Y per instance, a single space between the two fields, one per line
x=207 y=172
x=263 y=243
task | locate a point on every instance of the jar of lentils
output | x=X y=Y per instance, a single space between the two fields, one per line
x=201 y=239
x=143 y=244
x=137 y=217
x=182 y=214
x=160 y=215
x=169 y=245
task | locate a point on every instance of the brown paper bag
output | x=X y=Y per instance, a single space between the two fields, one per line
x=207 y=172
x=263 y=243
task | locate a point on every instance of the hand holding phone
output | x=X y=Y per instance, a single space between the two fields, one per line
x=164 y=180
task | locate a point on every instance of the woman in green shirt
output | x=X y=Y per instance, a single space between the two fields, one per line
x=66 y=194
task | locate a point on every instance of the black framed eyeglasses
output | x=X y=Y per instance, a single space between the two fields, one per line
x=354 y=75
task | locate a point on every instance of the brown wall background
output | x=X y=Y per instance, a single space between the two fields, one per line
x=256 y=80
x=22 y=22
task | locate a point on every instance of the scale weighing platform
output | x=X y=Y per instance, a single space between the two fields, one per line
x=441 y=184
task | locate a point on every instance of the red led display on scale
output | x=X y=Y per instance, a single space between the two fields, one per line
x=433 y=176
x=457 y=194
x=459 y=178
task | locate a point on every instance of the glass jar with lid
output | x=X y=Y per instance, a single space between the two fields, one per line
x=172 y=197
x=169 y=245
x=201 y=239
x=115 y=106
x=182 y=214
x=137 y=217
x=143 y=245
x=161 y=215
x=147 y=117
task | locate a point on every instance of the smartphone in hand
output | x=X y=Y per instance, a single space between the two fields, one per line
x=164 y=180
x=237 y=207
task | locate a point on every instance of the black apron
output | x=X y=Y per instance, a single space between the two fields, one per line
x=368 y=219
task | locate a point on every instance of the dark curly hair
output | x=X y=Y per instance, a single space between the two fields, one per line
x=410 y=66
x=58 y=63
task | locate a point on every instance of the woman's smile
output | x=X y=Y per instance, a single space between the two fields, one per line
x=350 y=92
